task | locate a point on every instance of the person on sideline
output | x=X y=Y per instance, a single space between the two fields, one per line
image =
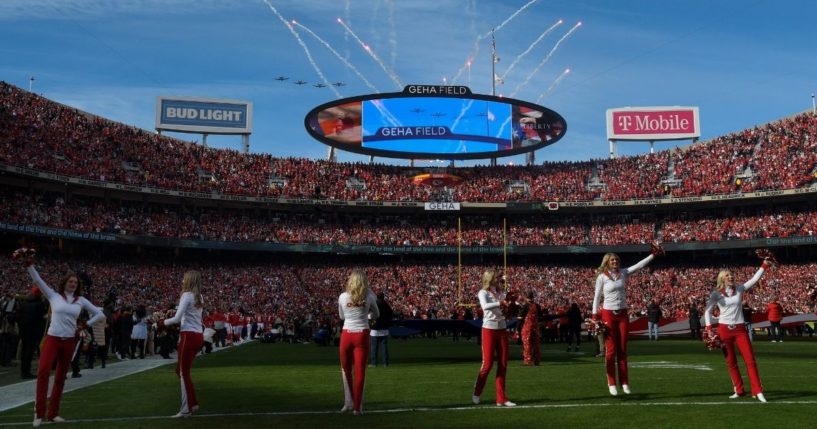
x=356 y=305
x=32 y=314
x=380 y=330
x=611 y=284
x=66 y=304
x=494 y=338
x=188 y=316
x=731 y=329
x=531 y=334
x=654 y=315
x=775 y=311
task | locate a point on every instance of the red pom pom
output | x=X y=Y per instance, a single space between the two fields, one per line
x=766 y=255
x=712 y=340
x=595 y=326
x=24 y=254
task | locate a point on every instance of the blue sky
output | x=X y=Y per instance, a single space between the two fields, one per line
x=742 y=62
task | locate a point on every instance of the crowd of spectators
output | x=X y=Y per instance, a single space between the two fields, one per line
x=296 y=293
x=95 y=214
x=41 y=134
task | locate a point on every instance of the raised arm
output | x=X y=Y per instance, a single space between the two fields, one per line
x=185 y=302
x=753 y=281
x=641 y=264
x=46 y=290
x=597 y=294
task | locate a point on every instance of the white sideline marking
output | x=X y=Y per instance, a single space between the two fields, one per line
x=670 y=365
x=438 y=409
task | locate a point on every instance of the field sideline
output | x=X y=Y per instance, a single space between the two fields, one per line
x=675 y=384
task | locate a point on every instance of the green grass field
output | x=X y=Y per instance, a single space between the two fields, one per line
x=429 y=385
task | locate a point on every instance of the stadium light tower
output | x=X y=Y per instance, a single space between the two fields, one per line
x=813 y=104
x=31 y=84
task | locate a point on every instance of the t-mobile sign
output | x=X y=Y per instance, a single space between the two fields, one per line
x=653 y=123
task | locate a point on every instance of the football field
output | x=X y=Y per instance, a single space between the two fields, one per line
x=676 y=383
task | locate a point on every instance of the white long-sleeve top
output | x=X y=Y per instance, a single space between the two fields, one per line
x=492 y=317
x=730 y=302
x=356 y=317
x=187 y=314
x=65 y=308
x=612 y=287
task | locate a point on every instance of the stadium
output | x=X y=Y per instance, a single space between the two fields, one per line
x=132 y=210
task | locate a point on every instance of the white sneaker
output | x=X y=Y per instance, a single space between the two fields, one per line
x=346 y=408
x=626 y=388
x=180 y=415
x=734 y=396
x=761 y=398
x=37 y=422
x=613 y=390
x=475 y=399
x=506 y=404
x=58 y=419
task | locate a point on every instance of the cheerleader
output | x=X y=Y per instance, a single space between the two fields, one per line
x=611 y=284
x=494 y=339
x=189 y=316
x=732 y=330
x=355 y=306
x=60 y=343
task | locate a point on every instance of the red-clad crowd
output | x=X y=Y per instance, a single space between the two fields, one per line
x=300 y=292
x=743 y=225
x=40 y=134
x=94 y=214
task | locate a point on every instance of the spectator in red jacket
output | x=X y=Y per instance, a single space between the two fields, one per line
x=775 y=311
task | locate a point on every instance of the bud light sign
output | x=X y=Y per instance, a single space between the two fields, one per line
x=204 y=115
x=653 y=123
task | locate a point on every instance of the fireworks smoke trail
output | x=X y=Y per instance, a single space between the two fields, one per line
x=553 y=85
x=556 y=46
x=488 y=34
x=520 y=10
x=343 y=60
x=374 y=56
x=532 y=45
x=386 y=114
x=306 y=50
x=347 y=15
x=462 y=113
x=392 y=33
x=505 y=123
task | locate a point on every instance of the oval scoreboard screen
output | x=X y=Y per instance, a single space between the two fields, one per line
x=445 y=122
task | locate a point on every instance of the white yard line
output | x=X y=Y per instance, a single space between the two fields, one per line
x=443 y=409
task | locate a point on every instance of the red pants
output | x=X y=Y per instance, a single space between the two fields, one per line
x=189 y=346
x=61 y=351
x=493 y=341
x=739 y=336
x=354 y=351
x=530 y=344
x=616 y=345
